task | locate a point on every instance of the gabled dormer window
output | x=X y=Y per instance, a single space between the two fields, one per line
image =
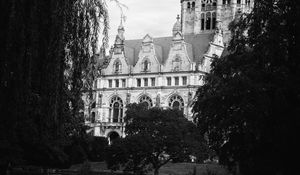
x=146 y=65
x=117 y=67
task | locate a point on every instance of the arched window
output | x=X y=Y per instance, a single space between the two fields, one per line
x=208 y=20
x=202 y=21
x=213 y=20
x=224 y=2
x=188 y=5
x=117 y=66
x=146 y=65
x=116 y=110
x=176 y=102
x=147 y=100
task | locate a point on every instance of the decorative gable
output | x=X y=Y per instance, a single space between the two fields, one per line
x=178 y=36
x=147 y=39
x=147 y=61
x=147 y=44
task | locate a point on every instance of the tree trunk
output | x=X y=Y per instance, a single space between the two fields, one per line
x=156 y=172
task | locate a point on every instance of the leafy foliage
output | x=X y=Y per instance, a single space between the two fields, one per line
x=47 y=50
x=156 y=136
x=248 y=104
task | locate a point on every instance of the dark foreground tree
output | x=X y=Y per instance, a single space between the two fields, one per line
x=156 y=136
x=46 y=50
x=249 y=104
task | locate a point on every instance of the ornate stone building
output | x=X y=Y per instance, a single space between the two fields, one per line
x=166 y=71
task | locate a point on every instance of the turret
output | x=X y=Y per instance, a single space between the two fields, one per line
x=177 y=26
x=119 y=41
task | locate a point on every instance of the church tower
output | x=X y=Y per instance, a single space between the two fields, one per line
x=203 y=16
x=188 y=14
x=198 y=16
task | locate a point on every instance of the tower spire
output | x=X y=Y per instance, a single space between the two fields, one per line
x=119 y=41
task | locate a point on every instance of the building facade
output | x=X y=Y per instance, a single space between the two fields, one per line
x=162 y=72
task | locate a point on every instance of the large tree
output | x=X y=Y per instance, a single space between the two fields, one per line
x=47 y=60
x=156 y=136
x=249 y=104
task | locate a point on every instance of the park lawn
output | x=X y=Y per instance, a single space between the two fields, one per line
x=170 y=168
x=188 y=168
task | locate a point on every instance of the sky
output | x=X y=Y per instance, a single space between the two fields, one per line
x=153 y=17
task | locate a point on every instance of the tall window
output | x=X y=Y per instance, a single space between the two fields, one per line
x=117 y=66
x=145 y=81
x=224 y=2
x=188 y=5
x=213 y=20
x=152 y=81
x=184 y=80
x=138 y=82
x=208 y=20
x=193 y=5
x=238 y=1
x=93 y=118
x=147 y=100
x=176 y=102
x=116 y=110
x=202 y=7
x=214 y=5
x=247 y=2
x=123 y=82
x=117 y=83
x=110 y=83
x=176 y=81
x=202 y=21
x=169 y=81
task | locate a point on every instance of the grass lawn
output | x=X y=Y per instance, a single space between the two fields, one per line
x=172 y=168
x=188 y=168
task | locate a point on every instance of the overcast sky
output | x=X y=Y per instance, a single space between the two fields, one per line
x=154 y=17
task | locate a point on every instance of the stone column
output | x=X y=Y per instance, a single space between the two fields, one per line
x=233 y=8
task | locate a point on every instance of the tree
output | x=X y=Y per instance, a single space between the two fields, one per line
x=248 y=104
x=156 y=136
x=47 y=50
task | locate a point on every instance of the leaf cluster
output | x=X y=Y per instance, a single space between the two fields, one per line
x=249 y=99
x=156 y=136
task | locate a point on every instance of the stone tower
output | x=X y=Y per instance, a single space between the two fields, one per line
x=204 y=16
x=198 y=16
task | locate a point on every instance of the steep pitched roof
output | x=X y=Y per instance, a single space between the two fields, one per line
x=197 y=45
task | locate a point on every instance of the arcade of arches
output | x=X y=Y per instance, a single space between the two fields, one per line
x=116 y=107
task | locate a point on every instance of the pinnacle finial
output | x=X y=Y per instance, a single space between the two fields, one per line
x=177 y=17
